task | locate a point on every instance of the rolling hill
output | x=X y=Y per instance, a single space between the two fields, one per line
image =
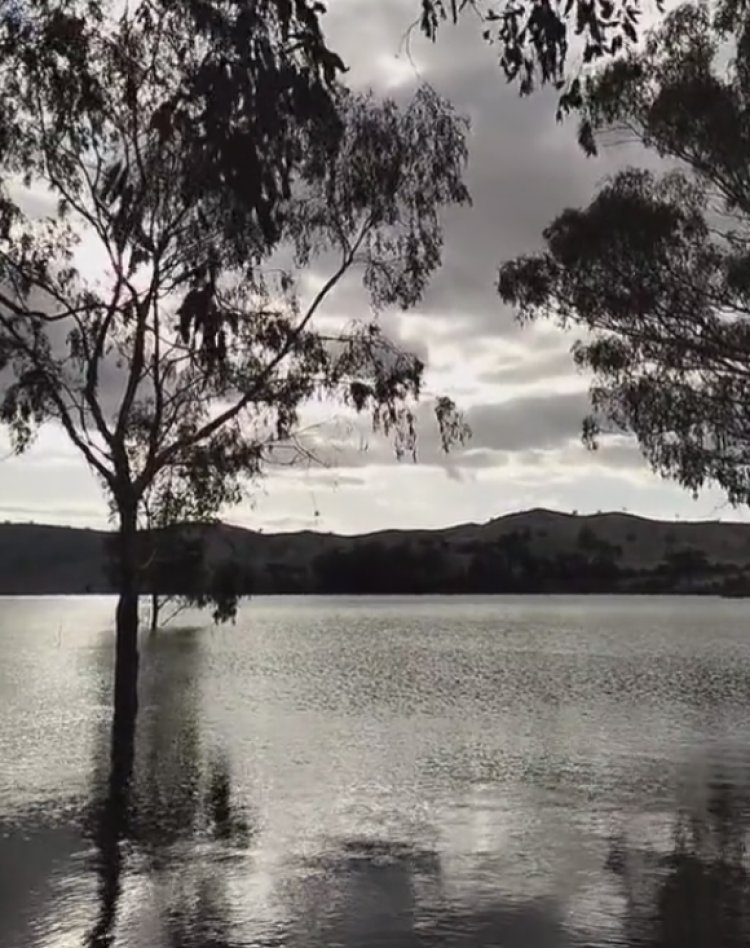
x=533 y=551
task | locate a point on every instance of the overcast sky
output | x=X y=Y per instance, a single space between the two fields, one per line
x=523 y=398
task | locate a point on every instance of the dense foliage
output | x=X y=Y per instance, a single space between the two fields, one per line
x=655 y=269
x=517 y=562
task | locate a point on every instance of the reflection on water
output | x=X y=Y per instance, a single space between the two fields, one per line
x=370 y=776
x=699 y=892
x=164 y=808
x=387 y=893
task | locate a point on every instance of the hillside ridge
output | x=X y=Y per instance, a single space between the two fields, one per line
x=536 y=550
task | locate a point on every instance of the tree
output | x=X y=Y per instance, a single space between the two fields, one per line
x=656 y=268
x=179 y=567
x=174 y=570
x=534 y=40
x=686 y=563
x=182 y=571
x=191 y=144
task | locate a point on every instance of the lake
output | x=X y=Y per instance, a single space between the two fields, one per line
x=517 y=772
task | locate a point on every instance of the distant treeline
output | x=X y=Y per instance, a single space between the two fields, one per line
x=550 y=552
x=509 y=565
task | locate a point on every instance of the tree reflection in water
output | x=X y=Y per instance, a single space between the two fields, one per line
x=109 y=830
x=698 y=895
x=373 y=895
x=158 y=793
x=366 y=893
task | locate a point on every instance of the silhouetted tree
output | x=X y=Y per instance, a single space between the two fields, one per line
x=656 y=267
x=374 y=567
x=175 y=564
x=188 y=143
x=587 y=539
x=686 y=562
x=534 y=40
x=180 y=571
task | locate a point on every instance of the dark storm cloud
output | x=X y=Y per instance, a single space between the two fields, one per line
x=524 y=169
x=497 y=432
x=618 y=456
x=547 y=365
x=542 y=422
x=620 y=453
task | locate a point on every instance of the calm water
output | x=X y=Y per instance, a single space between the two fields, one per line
x=521 y=773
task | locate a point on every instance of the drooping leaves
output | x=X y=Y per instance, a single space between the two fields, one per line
x=547 y=42
x=655 y=268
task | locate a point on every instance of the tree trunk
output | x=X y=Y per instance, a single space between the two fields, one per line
x=111 y=829
x=155 y=609
x=126 y=661
x=113 y=815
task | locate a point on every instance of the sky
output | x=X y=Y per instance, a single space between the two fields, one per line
x=522 y=397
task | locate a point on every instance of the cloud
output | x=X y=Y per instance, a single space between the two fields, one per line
x=530 y=367
x=497 y=432
x=305 y=478
x=537 y=421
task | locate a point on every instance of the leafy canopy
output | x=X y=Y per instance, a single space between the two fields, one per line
x=657 y=267
x=536 y=40
x=187 y=146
